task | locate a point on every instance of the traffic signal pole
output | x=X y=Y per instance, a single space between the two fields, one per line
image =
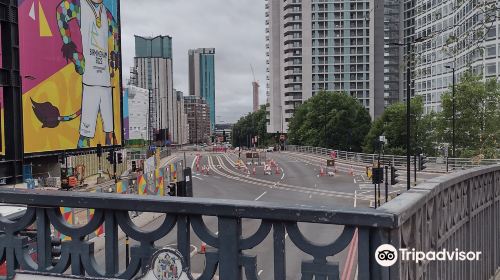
x=386 y=183
x=408 y=119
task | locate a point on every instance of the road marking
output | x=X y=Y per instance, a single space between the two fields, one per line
x=346 y=274
x=283 y=173
x=199 y=178
x=260 y=196
x=192 y=164
x=355 y=197
x=286 y=235
x=355 y=182
x=260 y=272
x=195 y=251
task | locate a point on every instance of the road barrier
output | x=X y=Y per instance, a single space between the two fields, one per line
x=434 y=164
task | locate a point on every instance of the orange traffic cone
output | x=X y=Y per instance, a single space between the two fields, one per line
x=198 y=167
x=351 y=172
x=203 y=248
x=254 y=171
x=321 y=171
x=277 y=170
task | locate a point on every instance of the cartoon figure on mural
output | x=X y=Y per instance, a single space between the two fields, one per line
x=96 y=62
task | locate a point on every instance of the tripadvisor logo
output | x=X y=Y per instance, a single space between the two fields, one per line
x=387 y=255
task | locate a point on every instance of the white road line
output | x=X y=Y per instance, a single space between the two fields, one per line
x=260 y=272
x=286 y=235
x=355 y=182
x=192 y=164
x=260 y=196
x=194 y=252
x=283 y=173
x=199 y=178
x=355 y=197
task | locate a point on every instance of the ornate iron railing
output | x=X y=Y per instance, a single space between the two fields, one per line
x=460 y=210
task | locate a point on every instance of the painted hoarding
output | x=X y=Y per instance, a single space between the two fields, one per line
x=70 y=66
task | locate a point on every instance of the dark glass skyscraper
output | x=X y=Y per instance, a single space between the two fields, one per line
x=202 y=78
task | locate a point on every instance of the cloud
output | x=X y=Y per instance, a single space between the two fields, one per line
x=235 y=28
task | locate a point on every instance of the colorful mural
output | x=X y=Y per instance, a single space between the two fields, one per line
x=70 y=66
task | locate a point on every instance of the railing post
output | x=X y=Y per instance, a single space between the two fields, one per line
x=184 y=238
x=364 y=253
x=229 y=252
x=43 y=240
x=279 y=251
x=111 y=243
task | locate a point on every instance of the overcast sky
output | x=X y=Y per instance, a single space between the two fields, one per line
x=235 y=28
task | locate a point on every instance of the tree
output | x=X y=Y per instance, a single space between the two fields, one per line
x=477 y=117
x=332 y=120
x=251 y=125
x=392 y=124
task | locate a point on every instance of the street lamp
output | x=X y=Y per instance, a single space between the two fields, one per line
x=453 y=111
x=408 y=104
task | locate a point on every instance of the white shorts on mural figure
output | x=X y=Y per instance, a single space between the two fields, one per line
x=96 y=99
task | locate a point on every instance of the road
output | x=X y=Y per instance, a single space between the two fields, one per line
x=294 y=179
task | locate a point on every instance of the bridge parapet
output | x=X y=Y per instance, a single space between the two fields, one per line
x=461 y=211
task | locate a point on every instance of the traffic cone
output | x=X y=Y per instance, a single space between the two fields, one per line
x=254 y=171
x=197 y=167
x=351 y=172
x=203 y=248
x=248 y=172
x=277 y=170
x=322 y=172
x=208 y=170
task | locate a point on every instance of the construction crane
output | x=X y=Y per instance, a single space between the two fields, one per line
x=255 y=88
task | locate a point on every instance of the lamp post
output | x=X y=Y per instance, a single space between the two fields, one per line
x=408 y=102
x=453 y=112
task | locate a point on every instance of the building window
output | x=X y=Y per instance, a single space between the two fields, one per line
x=491 y=51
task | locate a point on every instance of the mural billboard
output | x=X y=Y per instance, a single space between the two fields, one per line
x=70 y=66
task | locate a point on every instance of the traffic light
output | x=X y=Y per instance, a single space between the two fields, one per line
x=394 y=176
x=99 y=150
x=172 y=189
x=422 y=161
x=224 y=136
x=377 y=175
x=119 y=158
x=55 y=245
x=111 y=157
x=62 y=159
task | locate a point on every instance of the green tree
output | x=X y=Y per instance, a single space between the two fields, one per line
x=477 y=117
x=333 y=120
x=392 y=124
x=251 y=125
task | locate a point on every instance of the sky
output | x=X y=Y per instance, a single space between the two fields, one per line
x=235 y=28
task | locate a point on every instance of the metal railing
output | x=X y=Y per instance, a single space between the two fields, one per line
x=459 y=210
x=437 y=164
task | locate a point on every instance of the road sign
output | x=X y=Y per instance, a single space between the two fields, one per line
x=282 y=137
x=330 y=162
